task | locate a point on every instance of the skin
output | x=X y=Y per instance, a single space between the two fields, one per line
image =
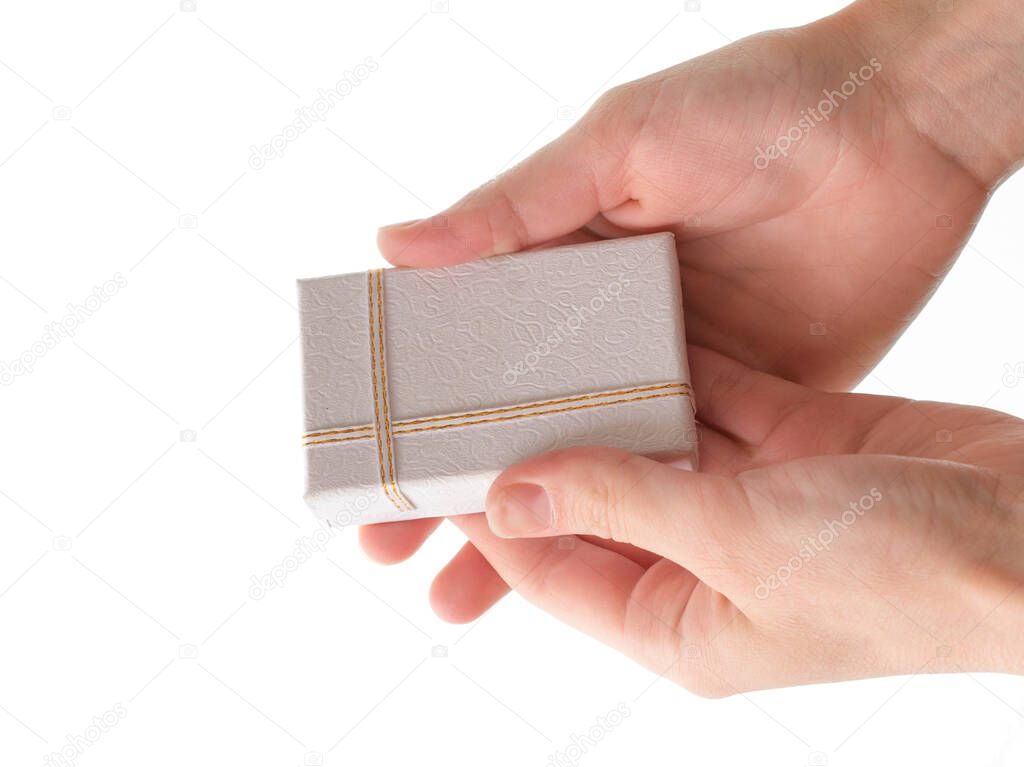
x=922 y=574
x=799 y=274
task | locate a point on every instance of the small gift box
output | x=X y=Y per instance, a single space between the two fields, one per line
x=422 y=385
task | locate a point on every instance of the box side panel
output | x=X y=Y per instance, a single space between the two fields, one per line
x=335 y=352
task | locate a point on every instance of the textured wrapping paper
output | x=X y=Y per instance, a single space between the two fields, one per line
x=422 y=385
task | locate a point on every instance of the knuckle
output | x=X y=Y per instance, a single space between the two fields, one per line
x=505 y=222
x=610 y=103
x=709 y=688
x=588 y=504
x=624 y=105
x=702 y=681
x=583 y=509
x=614 y=96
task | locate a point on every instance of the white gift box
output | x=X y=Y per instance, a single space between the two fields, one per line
x=422 y=385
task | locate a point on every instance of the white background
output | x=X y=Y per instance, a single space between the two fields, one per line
x=149 y=466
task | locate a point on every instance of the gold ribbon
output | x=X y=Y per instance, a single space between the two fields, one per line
x=379 y=375
x=510 y=413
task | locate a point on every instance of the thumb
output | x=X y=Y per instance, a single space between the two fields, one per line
x=690 y=518
x=553 y=192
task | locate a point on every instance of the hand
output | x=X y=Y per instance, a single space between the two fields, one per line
x=828 y=537
x=809 y=267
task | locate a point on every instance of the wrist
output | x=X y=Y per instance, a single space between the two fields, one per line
x=954 y=70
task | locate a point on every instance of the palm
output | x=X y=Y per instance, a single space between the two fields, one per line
x=810 y=267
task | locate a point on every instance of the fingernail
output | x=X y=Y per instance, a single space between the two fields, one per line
x=520 y=509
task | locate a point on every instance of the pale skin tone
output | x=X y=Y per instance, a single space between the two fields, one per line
x=799 y=274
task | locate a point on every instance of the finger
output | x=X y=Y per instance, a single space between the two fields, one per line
x=739 y=401
x=772 y=420
x=721 y=454
x=695 y=519
x=643 y=558
x=552 y=193
x=585 y=585
x=392 y=542
x=466 y=587
x=657 y=615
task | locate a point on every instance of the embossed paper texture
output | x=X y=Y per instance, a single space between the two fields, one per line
x=487 y=363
